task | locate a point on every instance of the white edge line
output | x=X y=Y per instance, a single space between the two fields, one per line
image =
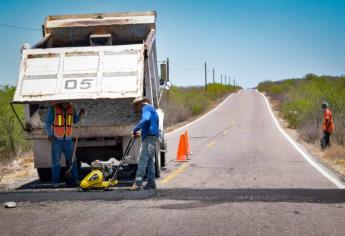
x=306 y=156
x=202 y=117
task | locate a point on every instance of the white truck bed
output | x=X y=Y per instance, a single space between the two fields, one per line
x=79 y=73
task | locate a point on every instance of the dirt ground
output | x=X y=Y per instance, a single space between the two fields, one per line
x=19 y=169
x=333 y=157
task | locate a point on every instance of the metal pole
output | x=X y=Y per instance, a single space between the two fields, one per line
x=213 y=77
x=221 y=78
x=168 y=78
x=205 y=76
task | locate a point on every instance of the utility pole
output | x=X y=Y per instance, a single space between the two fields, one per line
x=213 y=76
x=224 y=79
x=205 y=76
x=221 y=78
x=234 y=82
x=168 y=69
x=168 y=78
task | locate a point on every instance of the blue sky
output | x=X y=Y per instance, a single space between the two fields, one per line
x=249 y=40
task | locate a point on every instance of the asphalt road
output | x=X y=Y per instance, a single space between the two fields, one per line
x=244 y=178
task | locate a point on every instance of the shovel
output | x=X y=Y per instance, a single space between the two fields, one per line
x=68 y=173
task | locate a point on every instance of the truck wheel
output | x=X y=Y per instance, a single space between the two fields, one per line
x=163 y=161
x=157 y=165
x=44 y=174
x=163 y=149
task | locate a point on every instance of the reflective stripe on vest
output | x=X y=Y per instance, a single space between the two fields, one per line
x=61 y=127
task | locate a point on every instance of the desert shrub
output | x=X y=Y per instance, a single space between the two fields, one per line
x=12 y=140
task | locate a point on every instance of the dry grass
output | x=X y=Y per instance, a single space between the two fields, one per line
x=335 y=157
x=335 y=153
x=20 y=168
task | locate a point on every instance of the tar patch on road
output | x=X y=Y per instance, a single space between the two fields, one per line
x=184 y=194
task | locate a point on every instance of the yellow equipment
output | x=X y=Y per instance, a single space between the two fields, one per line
x=98 y=178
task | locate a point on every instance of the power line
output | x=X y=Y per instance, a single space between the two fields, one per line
x=19 y=27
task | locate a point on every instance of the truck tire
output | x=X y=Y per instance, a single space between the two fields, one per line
x=163 y=160
x=157 y=165
x=44 y=174
x=163 y=149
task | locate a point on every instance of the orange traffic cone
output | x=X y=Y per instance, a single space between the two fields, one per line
x=187 y=144
x=181 y=152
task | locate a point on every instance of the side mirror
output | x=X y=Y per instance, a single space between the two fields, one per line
x=168 y=85
x=164 y=75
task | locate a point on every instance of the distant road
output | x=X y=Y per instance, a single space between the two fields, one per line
x=244 y=178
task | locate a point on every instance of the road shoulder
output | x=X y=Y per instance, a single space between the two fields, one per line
x=322 y=163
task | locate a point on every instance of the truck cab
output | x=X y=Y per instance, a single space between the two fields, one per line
x=99 y=62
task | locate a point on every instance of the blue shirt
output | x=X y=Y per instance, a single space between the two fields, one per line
x=148 y=123
x=50 y=122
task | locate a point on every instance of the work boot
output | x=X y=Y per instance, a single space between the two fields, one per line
x=150 y=186
x=135 y=187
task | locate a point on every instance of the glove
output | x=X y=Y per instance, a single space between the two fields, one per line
x=136 y=134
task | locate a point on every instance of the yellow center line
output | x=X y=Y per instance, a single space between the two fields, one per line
x=173 y=174
x=211 y=144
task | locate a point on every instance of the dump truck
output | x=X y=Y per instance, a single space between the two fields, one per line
x=99 y=62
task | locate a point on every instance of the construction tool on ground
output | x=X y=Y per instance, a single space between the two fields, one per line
x=74 y=158
x=98 y=178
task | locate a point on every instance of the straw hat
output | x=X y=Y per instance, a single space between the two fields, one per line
x=140 y=100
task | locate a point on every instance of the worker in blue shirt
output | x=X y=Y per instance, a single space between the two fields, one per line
x=60 y=119
x=148 y=125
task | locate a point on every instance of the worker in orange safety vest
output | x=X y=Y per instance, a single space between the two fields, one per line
x=327 y=125
x=60 y=119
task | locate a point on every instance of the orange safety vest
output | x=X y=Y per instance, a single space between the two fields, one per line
x=327 y=114
x=63 y=121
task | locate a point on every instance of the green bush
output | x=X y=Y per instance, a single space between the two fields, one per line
x=12 y=140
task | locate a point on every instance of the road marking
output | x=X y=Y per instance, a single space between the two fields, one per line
x=202 y=117
x=211 y=144
x=335 y=180
x=225 y=132
x=173 y=174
